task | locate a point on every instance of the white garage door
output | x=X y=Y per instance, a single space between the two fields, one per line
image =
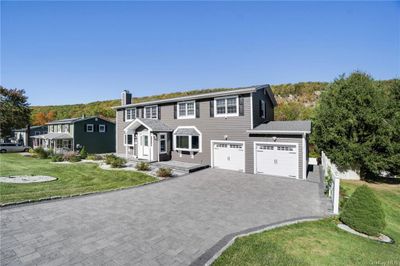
x=277 y=159
x=228 y=156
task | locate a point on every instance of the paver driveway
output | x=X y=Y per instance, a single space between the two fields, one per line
x=168 y=223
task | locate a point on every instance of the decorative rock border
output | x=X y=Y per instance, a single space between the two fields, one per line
x=26 y=179
x=381 y=238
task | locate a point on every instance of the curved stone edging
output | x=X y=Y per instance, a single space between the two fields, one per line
x=381 y=238
x=208 y=257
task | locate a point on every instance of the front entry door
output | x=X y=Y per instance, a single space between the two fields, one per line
x=144 y=145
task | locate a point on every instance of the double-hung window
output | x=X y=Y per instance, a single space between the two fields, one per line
x=130 y=114
x=186 y=110
x=163 y=143
x=128 y=139
x=151 y=112
x=227 y=106
x=262 y=108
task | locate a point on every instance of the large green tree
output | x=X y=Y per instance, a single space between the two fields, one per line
x=355 y=125
x=14 y=110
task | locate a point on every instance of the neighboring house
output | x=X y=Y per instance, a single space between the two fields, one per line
x=231 y=129
x=96 y=134
x=23 y=135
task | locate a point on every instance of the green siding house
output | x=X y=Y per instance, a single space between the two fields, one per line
x=96 y=134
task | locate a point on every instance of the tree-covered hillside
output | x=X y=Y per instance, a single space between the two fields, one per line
x=295 y=101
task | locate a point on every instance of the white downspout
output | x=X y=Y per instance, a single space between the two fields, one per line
x=304 y=156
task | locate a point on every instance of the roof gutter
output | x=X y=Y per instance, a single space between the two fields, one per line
x=282 y=132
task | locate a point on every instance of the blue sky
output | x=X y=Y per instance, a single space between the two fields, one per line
x=77 y=52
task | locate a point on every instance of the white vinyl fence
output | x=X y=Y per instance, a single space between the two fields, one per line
x=332 y=179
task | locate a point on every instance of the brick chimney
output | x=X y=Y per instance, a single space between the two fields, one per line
x=126 y=97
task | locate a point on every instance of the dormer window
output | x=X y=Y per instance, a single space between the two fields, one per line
x=130 y=114
x=226 y=106
x=186 y=110
x=151 y=112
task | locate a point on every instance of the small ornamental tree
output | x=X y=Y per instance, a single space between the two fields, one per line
x=83 y=153
x=363 y=212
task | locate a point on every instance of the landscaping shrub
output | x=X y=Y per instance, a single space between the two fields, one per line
x=57 y=158
x=41 y=153
x=94 y=157
x=71 y=157
x=83 y=153
x=164 y=172
x=109 y=158
x=118 y=162
x=143 y=166
x=363 y=212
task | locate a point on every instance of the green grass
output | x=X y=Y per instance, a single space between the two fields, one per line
x=72 y=179
x=321 y=242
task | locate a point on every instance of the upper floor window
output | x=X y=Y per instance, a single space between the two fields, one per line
x=102 y=128
x=89 y=128
x=130 y=114
x=262 y=108
x=151 y=112
x=186 y=110
x=65 y=128
x=227 y=106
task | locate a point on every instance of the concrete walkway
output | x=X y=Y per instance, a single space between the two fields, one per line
x=168 y=223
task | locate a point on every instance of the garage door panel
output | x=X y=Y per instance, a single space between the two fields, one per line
x=228 y=156
x=276 y=159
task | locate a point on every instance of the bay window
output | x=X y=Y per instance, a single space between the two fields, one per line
x=187 y=139
x=227 y=106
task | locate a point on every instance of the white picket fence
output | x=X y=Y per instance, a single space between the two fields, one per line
x=330 y=169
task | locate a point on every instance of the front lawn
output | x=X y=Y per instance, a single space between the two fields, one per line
x=73 y=179
x=321 y=242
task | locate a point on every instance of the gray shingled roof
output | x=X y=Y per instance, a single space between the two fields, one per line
x=155 y=125
x=283 y=127
x=53 y=136
x=186 y=132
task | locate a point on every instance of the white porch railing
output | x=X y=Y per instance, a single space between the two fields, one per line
x=332 y=180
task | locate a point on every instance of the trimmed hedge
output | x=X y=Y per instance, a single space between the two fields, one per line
x=363 y=212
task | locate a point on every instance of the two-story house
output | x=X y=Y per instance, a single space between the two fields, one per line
x=231 y=129
x=96 y=134
x=23 y=136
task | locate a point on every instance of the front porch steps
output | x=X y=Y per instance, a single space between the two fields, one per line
x=181 y=166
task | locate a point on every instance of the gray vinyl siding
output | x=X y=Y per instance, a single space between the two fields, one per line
x=216 y=128
x=284 y=139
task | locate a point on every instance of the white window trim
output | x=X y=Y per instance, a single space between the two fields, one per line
x=226 y=106
x=102 y=128
x=264 y=109
x=87 y=128
x=186 y=109
x=200 y=149
x=126 y=140
x=159 y=143
x=273 y=143
x=126 y=114
x=150 y=106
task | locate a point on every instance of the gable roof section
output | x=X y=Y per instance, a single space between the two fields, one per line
x=283 y=127
x=206 y=95
x=154 y=125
